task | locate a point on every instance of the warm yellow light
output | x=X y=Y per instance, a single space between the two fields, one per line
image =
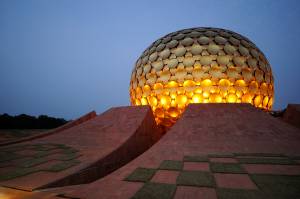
x=205 y=66
x=224 y=83
x=172 y=84
x=240 y=83
x=197 y=98
x=159 y=112
x=247 y=98
x=206 y=83
x=173 y=103
x=205 y=101
x=198 y=90
x=144 y=101
x=137 y=102
x=206 y=94
x=153 y=101
x=147 y=88
x=231 y=98
x=265 y=101
x=173 y=112
x=181 y=100
x=173 y=95
x=253 y=87
x=158 y=86
x=257 y=100
x=165 y=101
x=215 y=98
x=188 y=83
x=189 y=94
x=239 y=94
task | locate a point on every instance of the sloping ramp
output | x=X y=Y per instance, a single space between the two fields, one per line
x=90 y=150
x=225 y=131
x=68 y=125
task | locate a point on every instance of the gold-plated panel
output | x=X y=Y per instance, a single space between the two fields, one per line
x=200 y=65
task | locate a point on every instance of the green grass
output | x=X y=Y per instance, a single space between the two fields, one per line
x=141 y=175
x=195 y=159
x=13 y=148
x=44 y=147
x=260 y=154
x=8 y=156
x=253 y=160
x=171 y=165
x=27 y=166
x=68 y=156
x=226 y=168
x=20 y=133
x=69 y=150
x=155 y=191
x=62 y=166
x=33 y=162
x=17 y=133
x=280 y=185
x=240 y=194
x=221 y=155
x=41 y=154
x=16 y=173
x=62 y=146
x=196 y=178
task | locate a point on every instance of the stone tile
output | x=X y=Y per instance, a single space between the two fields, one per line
x=272 y=169
x=235 y=181
x=141 y=175
x=165 y=176
x=226 y=168
x=188 y=136
x=221 y=155
x=196 y=166
x=195 y=159
x=264 y=160
x=263 y=155
x=278 y=185
x=156 y=190
x=224 y=160
x=187 y=192
x=171 y=165
x=224 y=193
x=195 y=178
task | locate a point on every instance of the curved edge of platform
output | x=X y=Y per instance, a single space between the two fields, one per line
x=292 y=115
x=68 y=125
x=147 y=134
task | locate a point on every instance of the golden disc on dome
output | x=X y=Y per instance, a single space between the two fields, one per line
x=200 y=65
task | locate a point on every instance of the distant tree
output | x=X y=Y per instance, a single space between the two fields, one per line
x=24 y=121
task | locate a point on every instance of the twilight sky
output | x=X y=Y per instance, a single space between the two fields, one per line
x=65 y=58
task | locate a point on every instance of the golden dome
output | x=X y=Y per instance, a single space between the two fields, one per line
x=200 y=65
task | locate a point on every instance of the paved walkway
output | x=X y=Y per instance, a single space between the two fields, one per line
x=215 y=151
x=230 y=133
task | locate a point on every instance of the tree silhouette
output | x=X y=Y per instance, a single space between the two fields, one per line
x=24 y=121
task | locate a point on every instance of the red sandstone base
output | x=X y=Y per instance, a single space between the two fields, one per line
x=212 y=147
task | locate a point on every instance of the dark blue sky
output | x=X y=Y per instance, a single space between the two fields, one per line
x=65 y=58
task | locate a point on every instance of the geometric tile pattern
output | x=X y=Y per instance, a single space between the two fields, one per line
x=200 y=65
x=222 y=180
x=141 y=175
x=171 y=165
x=21 y=160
